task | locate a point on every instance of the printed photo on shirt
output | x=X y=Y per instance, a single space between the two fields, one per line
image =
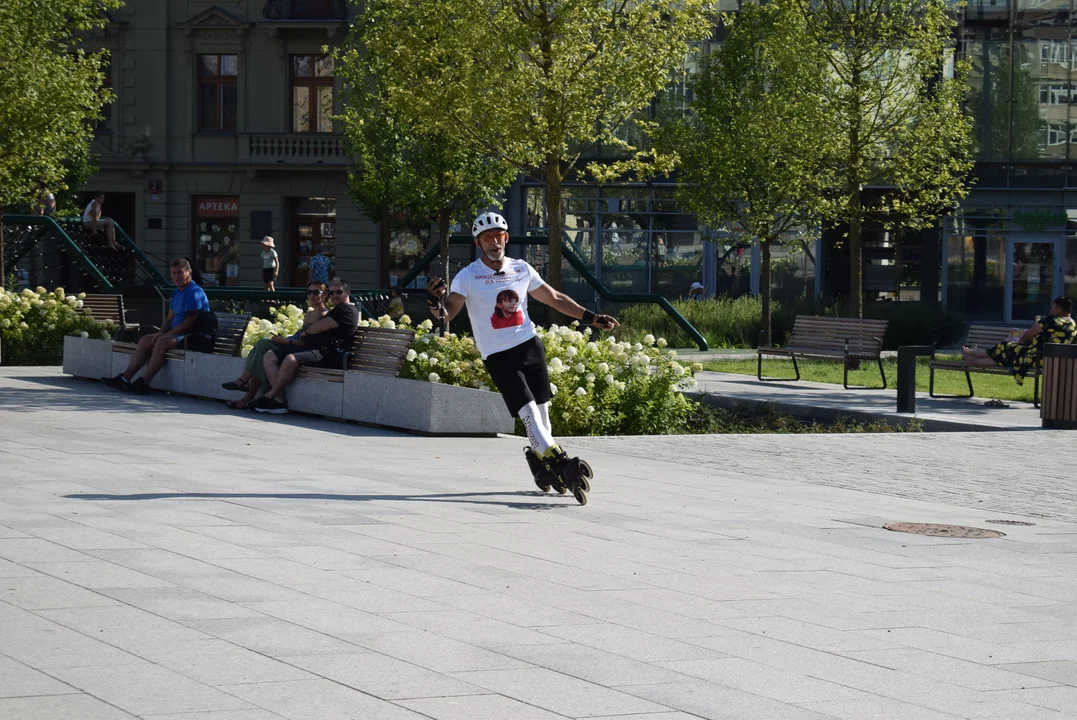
x=507 y=312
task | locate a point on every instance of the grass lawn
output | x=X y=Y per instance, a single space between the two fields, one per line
x=946 y=382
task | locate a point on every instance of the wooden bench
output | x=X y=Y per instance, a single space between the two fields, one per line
x=374 y=350
x=228 y=340
x=983 y=337
x=829 y=338
x=110 y=307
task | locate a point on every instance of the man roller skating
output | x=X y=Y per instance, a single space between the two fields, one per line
x=495 y=289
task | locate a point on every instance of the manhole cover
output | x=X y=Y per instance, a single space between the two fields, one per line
x=1010 y=522
x=950 y=531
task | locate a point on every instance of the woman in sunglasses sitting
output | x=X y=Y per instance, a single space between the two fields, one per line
x=254 y=375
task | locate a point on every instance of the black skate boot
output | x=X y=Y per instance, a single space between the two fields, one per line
x=574 y=474
x=544 y=479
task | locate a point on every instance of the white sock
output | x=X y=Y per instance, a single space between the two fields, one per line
x=544 y=415
x=540 y=436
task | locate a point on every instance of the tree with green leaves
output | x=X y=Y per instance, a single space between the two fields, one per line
x=533 y=81
x=753 y=144
x=50 y=90
x=400 y=167
x=894 y=99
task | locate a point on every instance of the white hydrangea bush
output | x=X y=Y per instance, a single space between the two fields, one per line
x=33 y=324
x=602 y=387
x=287 y=320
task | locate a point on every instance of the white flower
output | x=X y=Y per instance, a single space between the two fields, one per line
x=619 y=385
x=580 y=368
x=84 y=334
x=553 y=369
x=411 y=354
x=661 y=342
x=691 y=382
x=697 y=367
x=373 y=323
x=608 y=379
x=556 y=362
x=424 y=357
x=590 y=377
x=580 y=392
x=433 y=361
x=433 y=377
x=678 y=370
x=24 y=326
x=384 y=319
x=637 y=347
x=426 y=325
x=553 y=389
x=648 y=339
x=105 y=335
x=404 y=320
x=566 y=416
x=389 y=324
x=483 y=387
x=571 y=352
x=591 y=346
x=603 y=367
x=590 y=408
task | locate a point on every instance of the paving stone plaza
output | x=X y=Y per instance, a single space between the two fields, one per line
x=167 y=559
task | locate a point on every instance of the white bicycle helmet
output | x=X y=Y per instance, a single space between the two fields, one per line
x=488 y=221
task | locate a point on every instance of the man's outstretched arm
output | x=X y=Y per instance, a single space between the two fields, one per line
x=567 y=306
x=436 y=292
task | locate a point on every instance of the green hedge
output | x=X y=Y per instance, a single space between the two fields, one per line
x=737 y=322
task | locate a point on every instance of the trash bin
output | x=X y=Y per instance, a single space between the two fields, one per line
x=1058 y=408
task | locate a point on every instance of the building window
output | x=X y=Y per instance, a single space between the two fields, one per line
x=312 y=93
x=103 y=125
x=314 y=228
x=1054 y=95
x=217 y=97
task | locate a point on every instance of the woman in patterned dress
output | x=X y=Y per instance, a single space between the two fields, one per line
x=1024 y=355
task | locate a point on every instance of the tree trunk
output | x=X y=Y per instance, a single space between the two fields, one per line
x=553 y=219
x=3 y=270
x=443 y=233
x=856 y=255
x=764 y=288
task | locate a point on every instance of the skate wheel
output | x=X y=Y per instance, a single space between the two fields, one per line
x=561 y=489
x=583 y=475
x=543 y=488
x=580 y=495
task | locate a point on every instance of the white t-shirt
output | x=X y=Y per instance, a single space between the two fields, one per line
x=269 y=259
x=86 y=216
x=497 y=303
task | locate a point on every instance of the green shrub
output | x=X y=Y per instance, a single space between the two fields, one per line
x=33 y=325
x=737 y=322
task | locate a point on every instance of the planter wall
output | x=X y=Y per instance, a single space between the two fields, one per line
x=413 y=405
x=424 y=406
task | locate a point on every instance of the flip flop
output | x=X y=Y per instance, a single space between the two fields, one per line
x=996 y=403
x=237 y=404
x=233 y=385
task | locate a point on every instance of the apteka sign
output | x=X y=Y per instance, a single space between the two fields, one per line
x=218 y=207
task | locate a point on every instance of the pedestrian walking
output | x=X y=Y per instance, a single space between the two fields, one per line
x=270 y=264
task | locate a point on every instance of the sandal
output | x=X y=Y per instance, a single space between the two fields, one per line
x=996 y=403
x=237 y=404
x=234 y=385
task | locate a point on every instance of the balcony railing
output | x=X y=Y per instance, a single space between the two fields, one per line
x=305 y=9
x=296 y=149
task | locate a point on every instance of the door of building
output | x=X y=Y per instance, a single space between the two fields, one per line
x=1033 y=276
x=314 y=222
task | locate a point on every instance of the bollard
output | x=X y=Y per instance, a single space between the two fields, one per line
x=906 y=375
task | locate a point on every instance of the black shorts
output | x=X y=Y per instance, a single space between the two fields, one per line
x=520 y=374
x=268 y=274
x=307 y=358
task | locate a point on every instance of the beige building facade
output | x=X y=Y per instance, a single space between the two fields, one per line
x=221 y=133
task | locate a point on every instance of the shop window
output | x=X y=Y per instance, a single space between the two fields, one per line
x=312 y=93
x=217 y=96
x=216 y=239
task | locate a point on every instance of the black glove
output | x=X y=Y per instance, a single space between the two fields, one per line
x=435 y=292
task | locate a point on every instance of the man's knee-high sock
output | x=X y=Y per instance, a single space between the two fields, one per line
x=539 y=435
x=544 y=414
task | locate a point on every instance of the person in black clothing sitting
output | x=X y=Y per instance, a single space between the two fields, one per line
x=323 y=344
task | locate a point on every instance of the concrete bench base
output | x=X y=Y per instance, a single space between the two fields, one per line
x=397 y=403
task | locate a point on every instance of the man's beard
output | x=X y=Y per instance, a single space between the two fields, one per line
x=495 y=255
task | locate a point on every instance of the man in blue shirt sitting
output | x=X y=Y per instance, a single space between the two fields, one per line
x=188 y=300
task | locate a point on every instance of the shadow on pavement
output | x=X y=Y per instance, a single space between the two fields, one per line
x=434 y=497
x=75 y=394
